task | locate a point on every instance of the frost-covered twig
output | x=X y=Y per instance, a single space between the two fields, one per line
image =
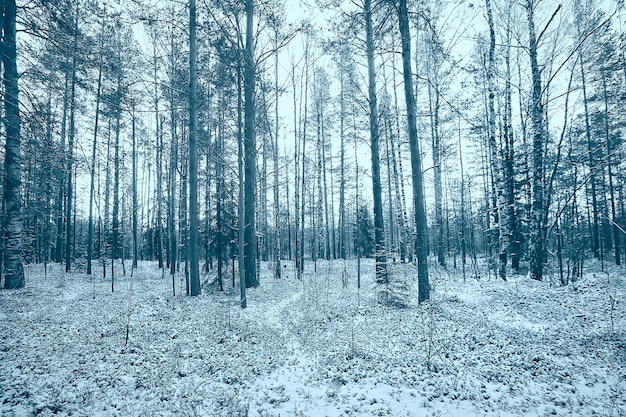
x=130 y=295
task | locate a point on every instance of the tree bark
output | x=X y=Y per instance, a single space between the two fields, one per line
x=115 y=241
x=193 y=156
x=399 y=177
x=421 y=246
x=220 y=192
x=296 y=140
x=276 y=241
x=107 y=198
x=250 y=238
x=304 y=137
x=13 y=267
x=498 y=186
x=614 y=220
x=58 y=255
x=93 y=169
x=391 y=230
x=159 y=170
x=379 y=228
x=509 y=158
x=537 y=239
x=342 y=179
x=433 y=101
x=240 y=207
x=135 y=199
x=70 y=152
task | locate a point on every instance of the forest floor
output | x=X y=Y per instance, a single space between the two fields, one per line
x=313 y=347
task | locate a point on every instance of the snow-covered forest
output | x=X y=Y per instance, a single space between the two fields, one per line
x=312 y=208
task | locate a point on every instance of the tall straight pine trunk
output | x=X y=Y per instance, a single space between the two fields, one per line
x=250 y=248
x=193 y=156
x=93 y=170
x=421 y=245
x=276 y=240
x=70 y=153
x=58 y=253
x=135 y=199
x=13 y=267
x=240 y=207
x=614 y=219
x=379 y=228
x=115 y=248
x=342 y=178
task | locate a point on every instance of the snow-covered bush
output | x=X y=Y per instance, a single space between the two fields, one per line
x=398 y=291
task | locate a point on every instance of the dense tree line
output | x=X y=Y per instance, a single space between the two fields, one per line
x=212 y=137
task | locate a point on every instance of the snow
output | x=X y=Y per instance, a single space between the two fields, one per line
x=312 y=347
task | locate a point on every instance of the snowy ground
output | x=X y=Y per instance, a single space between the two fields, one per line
x=312 y=347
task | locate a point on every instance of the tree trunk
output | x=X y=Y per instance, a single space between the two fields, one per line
x=509 y=159
x=93 y=169
x=241 y=206
x=115 y=241
x=498 y=186
x=107 y=198
x=59 y=252
x=183 y=214
x=13 y=267
x=342 y=167
x=70 y=153
x=208 y=153
x=173 y=236
x=327 y=223
x=327 y=250
x=261 y=216
x=357 y=247
x=537 y=240
x=135 y=202
x=433 y=102
x=421 y=246
x=304 y=137
x=296 y=140
x=277 y=266
x=288 y=209
x=220 y=193
x=333 y=237
x=391 y=229
x=614 y=220
x=250 y=152
x=379 y=228
x=592 y=168
x=399 y=176
x=193 y=156
x=317 y=212
x=47 y=215
x=159 y=170
x=462 y=226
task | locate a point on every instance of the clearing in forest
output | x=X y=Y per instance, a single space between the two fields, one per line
x=312 y=347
